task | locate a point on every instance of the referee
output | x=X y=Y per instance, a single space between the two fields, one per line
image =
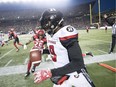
x=112 y=23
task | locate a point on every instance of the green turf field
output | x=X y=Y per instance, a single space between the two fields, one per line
x=96 y=41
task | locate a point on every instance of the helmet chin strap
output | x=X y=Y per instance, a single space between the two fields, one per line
x=52 y=31
x=57 y=27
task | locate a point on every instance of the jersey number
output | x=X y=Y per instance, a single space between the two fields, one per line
x=54 y=56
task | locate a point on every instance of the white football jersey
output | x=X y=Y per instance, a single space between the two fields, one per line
x=58 y=52
x=1 y=36
x=114 y=28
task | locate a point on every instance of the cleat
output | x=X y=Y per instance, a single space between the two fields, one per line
x=110 y=52
x=90 y=53
x=2 y=44
x=27 y=74
x=33 y=69
x=17 y=50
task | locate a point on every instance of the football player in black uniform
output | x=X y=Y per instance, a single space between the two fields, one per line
x=112 y=22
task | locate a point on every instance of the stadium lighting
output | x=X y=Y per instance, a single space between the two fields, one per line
x=4 y=1
x=39 y=3
x=42 y=1
x=53 y=3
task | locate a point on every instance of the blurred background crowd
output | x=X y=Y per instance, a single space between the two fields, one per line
x=26 y=19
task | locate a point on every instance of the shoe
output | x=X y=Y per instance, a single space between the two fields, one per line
x=90 y=53
x=33 y=69
x=17 y=50
x=110 y=52
x=2 y=45
x=27 y=74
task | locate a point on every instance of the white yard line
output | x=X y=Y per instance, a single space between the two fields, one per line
x=8 y=63
x=103 y=51
x=100 y=58
x=6 y=53
x=105 y=35
x=22 y=68
x=101 y=40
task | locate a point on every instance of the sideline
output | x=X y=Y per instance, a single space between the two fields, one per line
x=100 y=58
x=103 y=51
x=101 y=40
x=22 y=68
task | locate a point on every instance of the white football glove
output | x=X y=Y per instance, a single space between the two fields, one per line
x=42 y=75
x=105 y=16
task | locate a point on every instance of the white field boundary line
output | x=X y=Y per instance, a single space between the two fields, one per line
x=106 y=35
x=101 y=58
x=6 y=53
x=22 y=68
x=101 y=40
x=8 y=63
x=103 y=51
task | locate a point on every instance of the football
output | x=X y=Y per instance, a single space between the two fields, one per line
x=35 y=56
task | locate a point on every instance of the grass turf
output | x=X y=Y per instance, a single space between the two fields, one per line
x=96 y=41
x=101 y=76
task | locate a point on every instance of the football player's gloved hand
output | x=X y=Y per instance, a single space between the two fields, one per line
x=42 y=75
x=105 y=16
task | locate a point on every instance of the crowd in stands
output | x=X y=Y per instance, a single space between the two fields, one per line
x=25 y=20
x=26 y=25
x=22 y=26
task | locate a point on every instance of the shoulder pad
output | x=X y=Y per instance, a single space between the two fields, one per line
x=68 y=31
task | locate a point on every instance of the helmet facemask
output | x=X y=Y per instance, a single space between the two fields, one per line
x=51 y=20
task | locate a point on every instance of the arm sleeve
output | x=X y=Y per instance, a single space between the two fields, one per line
x=75 y=56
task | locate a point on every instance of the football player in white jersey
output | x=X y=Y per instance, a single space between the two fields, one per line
x=1 y=39
x=66 y=53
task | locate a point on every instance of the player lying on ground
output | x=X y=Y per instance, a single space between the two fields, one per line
x=66 y=53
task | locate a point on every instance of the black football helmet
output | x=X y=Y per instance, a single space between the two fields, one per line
x=51 y=19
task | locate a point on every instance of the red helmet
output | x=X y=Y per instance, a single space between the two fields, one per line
x=41 y=32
